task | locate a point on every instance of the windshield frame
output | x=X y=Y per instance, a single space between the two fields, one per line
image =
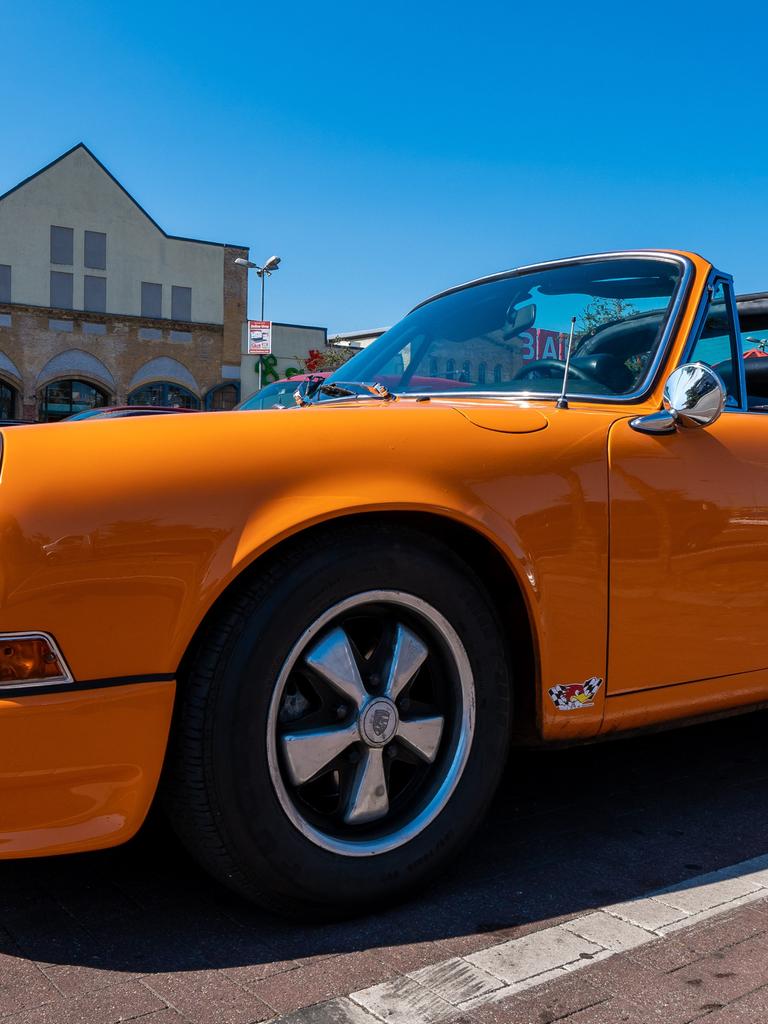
x=648 y=381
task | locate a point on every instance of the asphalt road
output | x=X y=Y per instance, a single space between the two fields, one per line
x=140 y=932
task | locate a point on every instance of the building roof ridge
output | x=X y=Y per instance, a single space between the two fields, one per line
x=136 y=203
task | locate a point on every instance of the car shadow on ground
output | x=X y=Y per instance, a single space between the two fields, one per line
x=569 y=830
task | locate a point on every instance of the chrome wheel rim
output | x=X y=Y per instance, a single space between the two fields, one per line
x=371 y=723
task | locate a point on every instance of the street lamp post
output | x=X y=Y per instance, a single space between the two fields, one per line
x=263 y=272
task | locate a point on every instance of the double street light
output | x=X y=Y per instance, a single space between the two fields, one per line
x=263 y=272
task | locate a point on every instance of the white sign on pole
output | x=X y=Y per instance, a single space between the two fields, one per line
x=259 y=337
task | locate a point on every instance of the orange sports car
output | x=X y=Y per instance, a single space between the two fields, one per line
x=534 y=511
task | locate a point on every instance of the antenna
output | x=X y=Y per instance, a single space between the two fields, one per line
x=562 y=402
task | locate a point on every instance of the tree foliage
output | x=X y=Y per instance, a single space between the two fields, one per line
x=603 y=311
x=330 y=358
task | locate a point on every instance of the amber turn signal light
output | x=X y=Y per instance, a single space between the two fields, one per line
x=30 y=658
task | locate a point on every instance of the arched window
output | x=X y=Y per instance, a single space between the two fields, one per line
x=8 y=400
x=62 y=398
x=481 y=372
x=450 y=369
x=497 y=373
x=433 y=367
x=165 y=393
x=466 y=371
x=222 y=397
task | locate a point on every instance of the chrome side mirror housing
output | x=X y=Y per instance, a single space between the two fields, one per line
x=694 y=396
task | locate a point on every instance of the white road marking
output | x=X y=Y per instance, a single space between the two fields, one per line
x=449 y=988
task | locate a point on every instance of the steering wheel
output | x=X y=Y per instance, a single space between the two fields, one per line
x=550 y=368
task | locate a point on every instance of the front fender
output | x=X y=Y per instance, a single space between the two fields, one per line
x=122 y=549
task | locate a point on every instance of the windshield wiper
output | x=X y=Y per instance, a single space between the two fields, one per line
x=336 y=390
x=306 y=391
x=343 y=388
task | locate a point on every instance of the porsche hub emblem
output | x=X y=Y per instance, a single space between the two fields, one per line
x=378 y=723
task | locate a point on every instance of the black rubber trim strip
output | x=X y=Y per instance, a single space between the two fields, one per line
x=32 y=690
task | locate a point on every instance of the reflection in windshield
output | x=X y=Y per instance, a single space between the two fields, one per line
x=510 y=335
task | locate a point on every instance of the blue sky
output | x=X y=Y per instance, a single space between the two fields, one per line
x=386 y=151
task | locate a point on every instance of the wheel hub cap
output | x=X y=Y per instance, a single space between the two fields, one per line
x=378 y=722
x=371 y=722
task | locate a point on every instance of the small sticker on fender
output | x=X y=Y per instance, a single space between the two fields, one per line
x=572 y=696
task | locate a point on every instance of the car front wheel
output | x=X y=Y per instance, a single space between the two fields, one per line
x=343 y=723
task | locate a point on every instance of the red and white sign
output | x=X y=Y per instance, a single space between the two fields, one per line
x=259 y=337
x=540 y=343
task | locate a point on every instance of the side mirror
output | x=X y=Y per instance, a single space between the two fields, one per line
x=694 y=396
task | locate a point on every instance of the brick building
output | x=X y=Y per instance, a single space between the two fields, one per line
x=98 y=305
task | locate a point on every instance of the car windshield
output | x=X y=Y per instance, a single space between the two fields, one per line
x=86 y=414
x=511 y=334
x=278 y=394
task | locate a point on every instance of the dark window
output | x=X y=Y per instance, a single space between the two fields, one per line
x=62 y=398
x=151 y=299
x=466 y=371
x=497 y=372
x=450 y=368
x=181 y=303
x=61 y=290
x=95 y=250
x=62 y=245
x=7 y=401
x=225 y=396
x=5 y=283
x=164 y=392
x=433 y=367
x=481 y=372
x=95 y=294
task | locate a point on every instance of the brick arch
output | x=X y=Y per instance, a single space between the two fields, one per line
x=76 y=364
x=164 y=369
x=9 y=370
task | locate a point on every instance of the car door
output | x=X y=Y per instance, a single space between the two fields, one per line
x=689 y=533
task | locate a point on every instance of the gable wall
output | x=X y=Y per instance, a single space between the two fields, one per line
x=77 y=193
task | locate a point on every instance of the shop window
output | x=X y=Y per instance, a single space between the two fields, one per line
x=62 y=398
x=8 y=401
x=165 y=393
x=223 y=397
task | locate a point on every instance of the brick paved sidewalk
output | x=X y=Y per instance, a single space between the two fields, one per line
x=716 y=972
x=138 y=933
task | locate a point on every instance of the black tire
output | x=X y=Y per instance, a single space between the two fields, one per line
x=217 y=788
